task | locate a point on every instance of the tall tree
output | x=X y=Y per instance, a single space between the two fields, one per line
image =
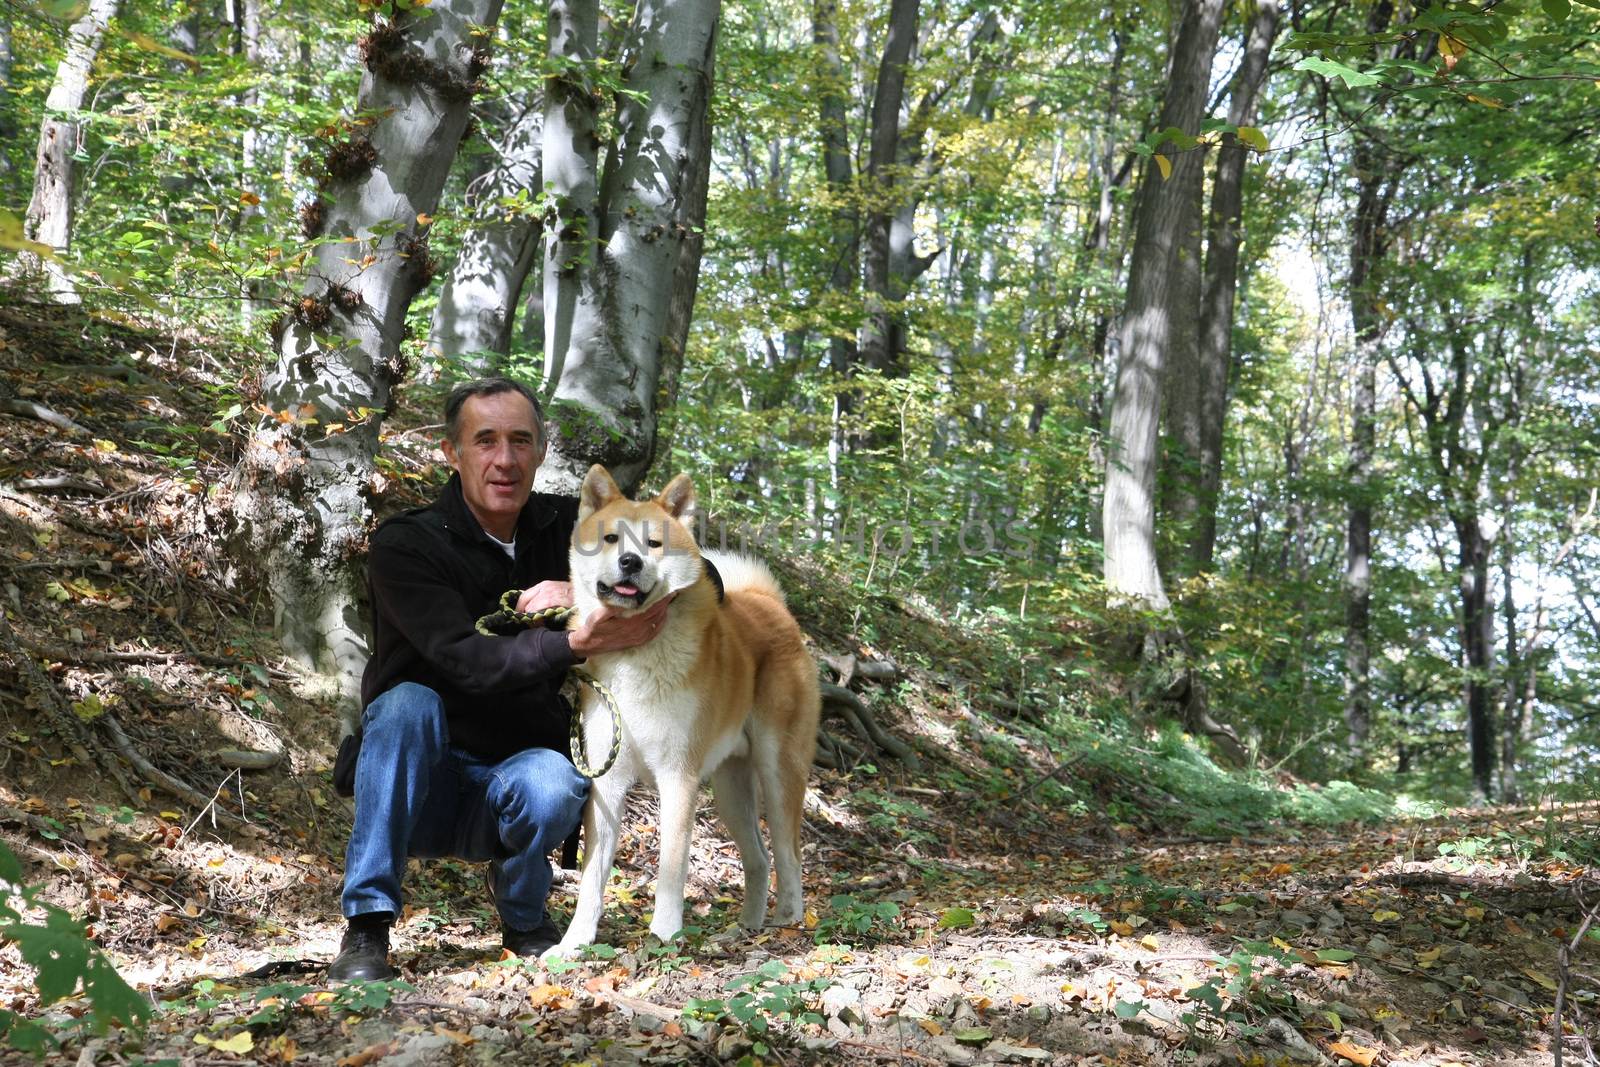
x=49 y=218
x=1377 y=171
x=309 y=467
x=1167 y=211
x=880 y=341
x=837 y=168
x=1224 y=232
x=622 y=255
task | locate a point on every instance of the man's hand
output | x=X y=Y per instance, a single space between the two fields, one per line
x=545 y=595
x=607 y=631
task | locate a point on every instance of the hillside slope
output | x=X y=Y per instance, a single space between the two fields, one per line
x=1035 y=884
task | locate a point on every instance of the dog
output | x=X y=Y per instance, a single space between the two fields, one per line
x=726 y=691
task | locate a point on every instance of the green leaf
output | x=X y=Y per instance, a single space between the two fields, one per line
x=1253 y=137
x=972 y=1035
x=1335 y=955
x=1127 y=1009
x=1557 y=9
x=956 y=919
x=1328 y=68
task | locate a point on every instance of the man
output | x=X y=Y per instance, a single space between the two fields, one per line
x=464 y=737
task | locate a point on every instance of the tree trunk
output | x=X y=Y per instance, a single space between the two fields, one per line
x=1165 y=210
x=8 y=123
x=880 y=340
x=1514 y=686
x=49 y=218
x=247 y=27
x=1369 y=245
x=473 y=321
x=1180 y=388
x=833 y=105
x=306 y=482
x=615 y=271
x=1477 y=645
x=1224 y=234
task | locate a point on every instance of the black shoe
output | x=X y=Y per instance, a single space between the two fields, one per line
x=522 y=942
x=363 y=954
x=533 y=942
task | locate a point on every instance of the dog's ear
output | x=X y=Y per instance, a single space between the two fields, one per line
x=677 y=499
x=599 y=489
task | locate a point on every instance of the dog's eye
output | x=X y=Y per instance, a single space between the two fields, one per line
x=611 y=539
x=655 y=544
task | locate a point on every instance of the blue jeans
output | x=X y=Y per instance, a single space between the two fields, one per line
x=417 y=795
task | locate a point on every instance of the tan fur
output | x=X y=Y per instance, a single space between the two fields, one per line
x=726 y=691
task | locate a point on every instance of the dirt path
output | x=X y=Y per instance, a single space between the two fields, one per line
x=1426 y=943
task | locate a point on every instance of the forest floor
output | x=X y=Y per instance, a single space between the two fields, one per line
x=958 y=911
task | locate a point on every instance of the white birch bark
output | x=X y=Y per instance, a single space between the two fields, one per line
x=305 y=483
x=616 y=256
x=49 y=217
x=477 y=307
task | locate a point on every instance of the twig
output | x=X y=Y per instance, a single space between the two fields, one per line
x=1060 y=769
x=55 y=482
x=211 y=805
x=1563 y=973
x=156 y=776
x=142 y=655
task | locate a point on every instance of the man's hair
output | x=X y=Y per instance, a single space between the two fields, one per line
x=464 y=391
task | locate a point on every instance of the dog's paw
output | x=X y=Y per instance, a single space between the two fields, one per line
x=563 y=951
x=665 y=932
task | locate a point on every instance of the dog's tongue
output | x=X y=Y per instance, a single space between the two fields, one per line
x=626 y=589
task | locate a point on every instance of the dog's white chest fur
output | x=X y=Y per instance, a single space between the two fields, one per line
x=660 y=710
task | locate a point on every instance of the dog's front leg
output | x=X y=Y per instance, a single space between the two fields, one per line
x=602 y=821
x=678 y=795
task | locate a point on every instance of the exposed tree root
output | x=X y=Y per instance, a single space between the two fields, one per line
x=61 y=483
x=168 y=783
x=29 y=410
x=69 y=728
x=849 y=707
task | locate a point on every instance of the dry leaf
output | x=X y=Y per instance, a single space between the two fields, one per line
x=548 y=993
x=370 y=1054
x=1354 y=1053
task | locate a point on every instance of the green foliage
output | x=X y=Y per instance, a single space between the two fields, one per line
x=762 y=1000
x=853 y=920
x=65 y=965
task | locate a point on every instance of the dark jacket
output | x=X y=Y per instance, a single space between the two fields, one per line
x=432 y=573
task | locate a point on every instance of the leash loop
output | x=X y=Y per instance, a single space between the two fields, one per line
x=508 y=615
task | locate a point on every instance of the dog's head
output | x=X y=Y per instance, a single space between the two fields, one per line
x=632 y=553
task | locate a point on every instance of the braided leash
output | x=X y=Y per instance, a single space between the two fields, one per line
x=508 y=615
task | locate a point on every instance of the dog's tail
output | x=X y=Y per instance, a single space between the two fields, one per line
x=745 y=573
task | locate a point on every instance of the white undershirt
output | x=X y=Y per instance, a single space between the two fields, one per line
x=509 y=546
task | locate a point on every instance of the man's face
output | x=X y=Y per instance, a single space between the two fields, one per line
x=496 y=452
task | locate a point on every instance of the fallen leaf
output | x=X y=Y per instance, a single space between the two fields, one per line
x=1385 y=916
x=370 y=1054
x=547 y=993
x=1543 y=979
x=238 y=1044
x=1354 y=1053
